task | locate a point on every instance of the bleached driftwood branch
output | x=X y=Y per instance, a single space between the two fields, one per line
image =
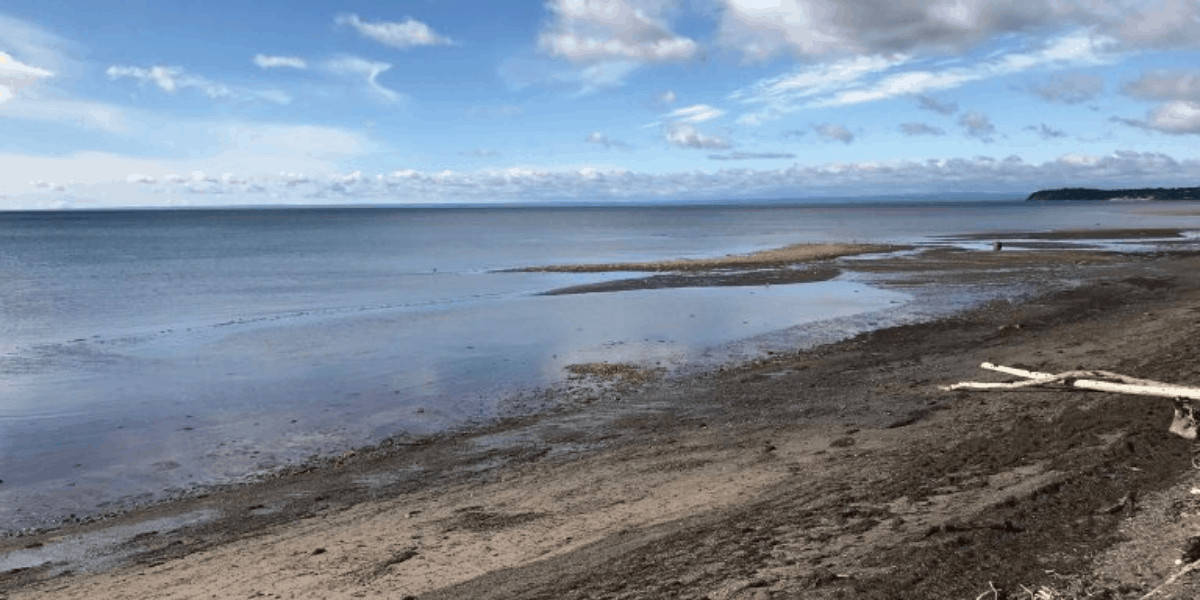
x=1101 y=381
x=1184 y=424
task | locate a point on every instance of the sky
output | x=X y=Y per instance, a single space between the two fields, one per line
x=153 y=103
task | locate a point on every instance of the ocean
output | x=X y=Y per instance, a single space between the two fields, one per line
x=147 y=352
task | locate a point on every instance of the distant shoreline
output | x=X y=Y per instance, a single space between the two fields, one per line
x=1180 y=194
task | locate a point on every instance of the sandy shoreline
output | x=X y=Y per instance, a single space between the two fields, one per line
x=837 y=472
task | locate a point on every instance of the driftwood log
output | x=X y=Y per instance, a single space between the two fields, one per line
x=1183 y=424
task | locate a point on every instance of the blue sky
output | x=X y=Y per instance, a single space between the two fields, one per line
x=217 y=103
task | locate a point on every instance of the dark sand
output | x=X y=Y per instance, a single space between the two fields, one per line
x=770 y=276
x=840 y=472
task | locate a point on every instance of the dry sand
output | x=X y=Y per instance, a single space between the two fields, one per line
x=841 y=472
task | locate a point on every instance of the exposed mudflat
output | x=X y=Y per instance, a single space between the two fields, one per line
x=838 y=472
x=1077 y=234
x=774 y=257
x=769 y=276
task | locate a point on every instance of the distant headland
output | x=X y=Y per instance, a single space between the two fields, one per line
x=1186 y=193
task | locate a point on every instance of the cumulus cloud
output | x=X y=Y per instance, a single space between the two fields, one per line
x=368 y=70
x=172 y=79
x=977 y=125
x=834 y=133
x=1180 y=114
x=667 y=97
x=696 y=113
x=821 y=27
x=1073 y=88
x=684 y=135
x=265 y=61
x=15 y=75
x=1158 y=24
x=814 y=28
x=1047 y=132
x=397 y=34
x=752 y=156
x=932 y=104
x=600 y=139
x=913 y=129
x=589 y=31
x=1177 y=117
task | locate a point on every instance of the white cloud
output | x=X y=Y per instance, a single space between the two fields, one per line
x=1071 y=49
x=266 y=61
x=791 y=91
x=687 y=136
x=15 y=75
x=397 y=34
x=874 y=78
x=1177 y=117
x=1180 y=114
x=172 y=79
x=368 y=70
x=169 y=79
x=33 y=45
x=696 y=113
x=587 y=31
x=834 y=133
x=667 y=97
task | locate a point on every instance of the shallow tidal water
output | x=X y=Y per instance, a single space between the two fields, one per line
x=149 y=351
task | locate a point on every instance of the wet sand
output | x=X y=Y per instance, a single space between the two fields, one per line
x=775 y=257
x=837 y=472
x=769 y=276
x=1077 y=234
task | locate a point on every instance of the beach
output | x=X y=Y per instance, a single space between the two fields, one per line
x=836 y=471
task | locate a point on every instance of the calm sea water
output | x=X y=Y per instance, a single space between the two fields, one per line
x=147 y=350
